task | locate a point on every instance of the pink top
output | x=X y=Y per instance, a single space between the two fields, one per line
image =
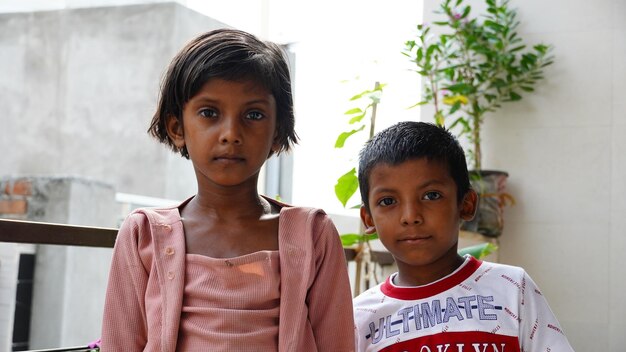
x=231 y=304
x=144 y=298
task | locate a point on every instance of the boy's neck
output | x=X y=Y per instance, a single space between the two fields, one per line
x=411 y=276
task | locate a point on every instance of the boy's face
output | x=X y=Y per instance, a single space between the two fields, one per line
x=415 y=211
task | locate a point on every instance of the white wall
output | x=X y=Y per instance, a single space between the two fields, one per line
x=563 y=146
x=342 y=40
x=564 y=150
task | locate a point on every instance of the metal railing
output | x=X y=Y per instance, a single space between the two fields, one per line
x=18 y=231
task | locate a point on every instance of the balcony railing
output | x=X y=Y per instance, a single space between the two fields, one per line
x=19 y=231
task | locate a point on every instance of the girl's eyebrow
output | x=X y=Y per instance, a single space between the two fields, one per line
x=258 y=101
x=202 y=98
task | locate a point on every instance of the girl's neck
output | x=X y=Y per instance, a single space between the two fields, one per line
x=230 y=205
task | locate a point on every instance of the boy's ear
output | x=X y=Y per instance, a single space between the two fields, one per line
x=368 y=221
x=469 y=205
x=174 y=129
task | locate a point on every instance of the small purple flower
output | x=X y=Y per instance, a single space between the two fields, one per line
x=95 y=344
x=457 y=16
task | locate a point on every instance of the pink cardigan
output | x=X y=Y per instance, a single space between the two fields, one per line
x=144 y=295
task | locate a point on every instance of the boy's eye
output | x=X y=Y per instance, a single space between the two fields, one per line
x=208 y=113
x=432 y=196
x=254 y=115
x=386 y=202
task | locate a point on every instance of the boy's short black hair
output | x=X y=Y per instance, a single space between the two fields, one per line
x=413 y=140
x=231 y=55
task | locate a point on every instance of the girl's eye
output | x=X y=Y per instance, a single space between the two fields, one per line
x=432 y=196
x=385 y=202
x=208 y=113
x=254 y=115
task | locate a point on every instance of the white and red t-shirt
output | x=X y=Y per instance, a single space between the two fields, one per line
x=481 y=307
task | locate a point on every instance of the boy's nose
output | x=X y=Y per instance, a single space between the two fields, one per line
x=230 y=132
x=411 y=215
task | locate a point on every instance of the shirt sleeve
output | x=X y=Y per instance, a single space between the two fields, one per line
x=124 y=326
x=329 y=298
x=539 y=327
x=357 y=341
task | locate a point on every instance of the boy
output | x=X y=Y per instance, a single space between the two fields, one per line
x=415 y=190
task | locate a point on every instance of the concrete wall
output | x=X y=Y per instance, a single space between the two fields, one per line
x=69 y=282
x=564 y=150
x=78 y=88
x=68 y=292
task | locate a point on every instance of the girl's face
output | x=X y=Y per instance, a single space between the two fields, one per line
x=229 y=129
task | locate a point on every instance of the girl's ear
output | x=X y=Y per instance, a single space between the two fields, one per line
x=368 y=221
x=469 y=205
x=175 y=131
x=276 y=143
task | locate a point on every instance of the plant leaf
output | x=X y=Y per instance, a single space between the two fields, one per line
x=350 y=239
x=456 y=106
x=439 y=119
x=479 y=251
x=341 y=140
x=357 y=118
x=353 y=111
x=417 y=104
x=346 y=186
x=455 y=99
x=461 y=88
x=514 y=96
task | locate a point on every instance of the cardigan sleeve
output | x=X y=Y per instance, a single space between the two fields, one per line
x=329 y=298
x=124 y=326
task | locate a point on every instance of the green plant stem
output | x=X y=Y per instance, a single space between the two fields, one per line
x=476 y=120
x=373 y=119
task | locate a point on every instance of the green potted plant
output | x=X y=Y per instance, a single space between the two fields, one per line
x=470 y=67
x=362 y=118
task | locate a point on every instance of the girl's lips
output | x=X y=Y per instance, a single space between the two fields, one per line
x=229 y=159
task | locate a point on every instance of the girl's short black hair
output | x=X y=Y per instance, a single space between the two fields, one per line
x=413 y=140
x=232 y=55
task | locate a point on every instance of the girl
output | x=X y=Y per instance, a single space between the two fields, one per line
x=227 y=269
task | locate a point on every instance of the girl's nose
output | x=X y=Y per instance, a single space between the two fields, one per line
x=411 y=215
x=230 y=132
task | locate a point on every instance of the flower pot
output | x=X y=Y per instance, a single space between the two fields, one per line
x=490 y=185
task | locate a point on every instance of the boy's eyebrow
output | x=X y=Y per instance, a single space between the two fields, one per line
x=428 y=183
x=382 y=190
x=432 y=182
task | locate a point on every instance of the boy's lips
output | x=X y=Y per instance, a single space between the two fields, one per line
x=414 y=239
